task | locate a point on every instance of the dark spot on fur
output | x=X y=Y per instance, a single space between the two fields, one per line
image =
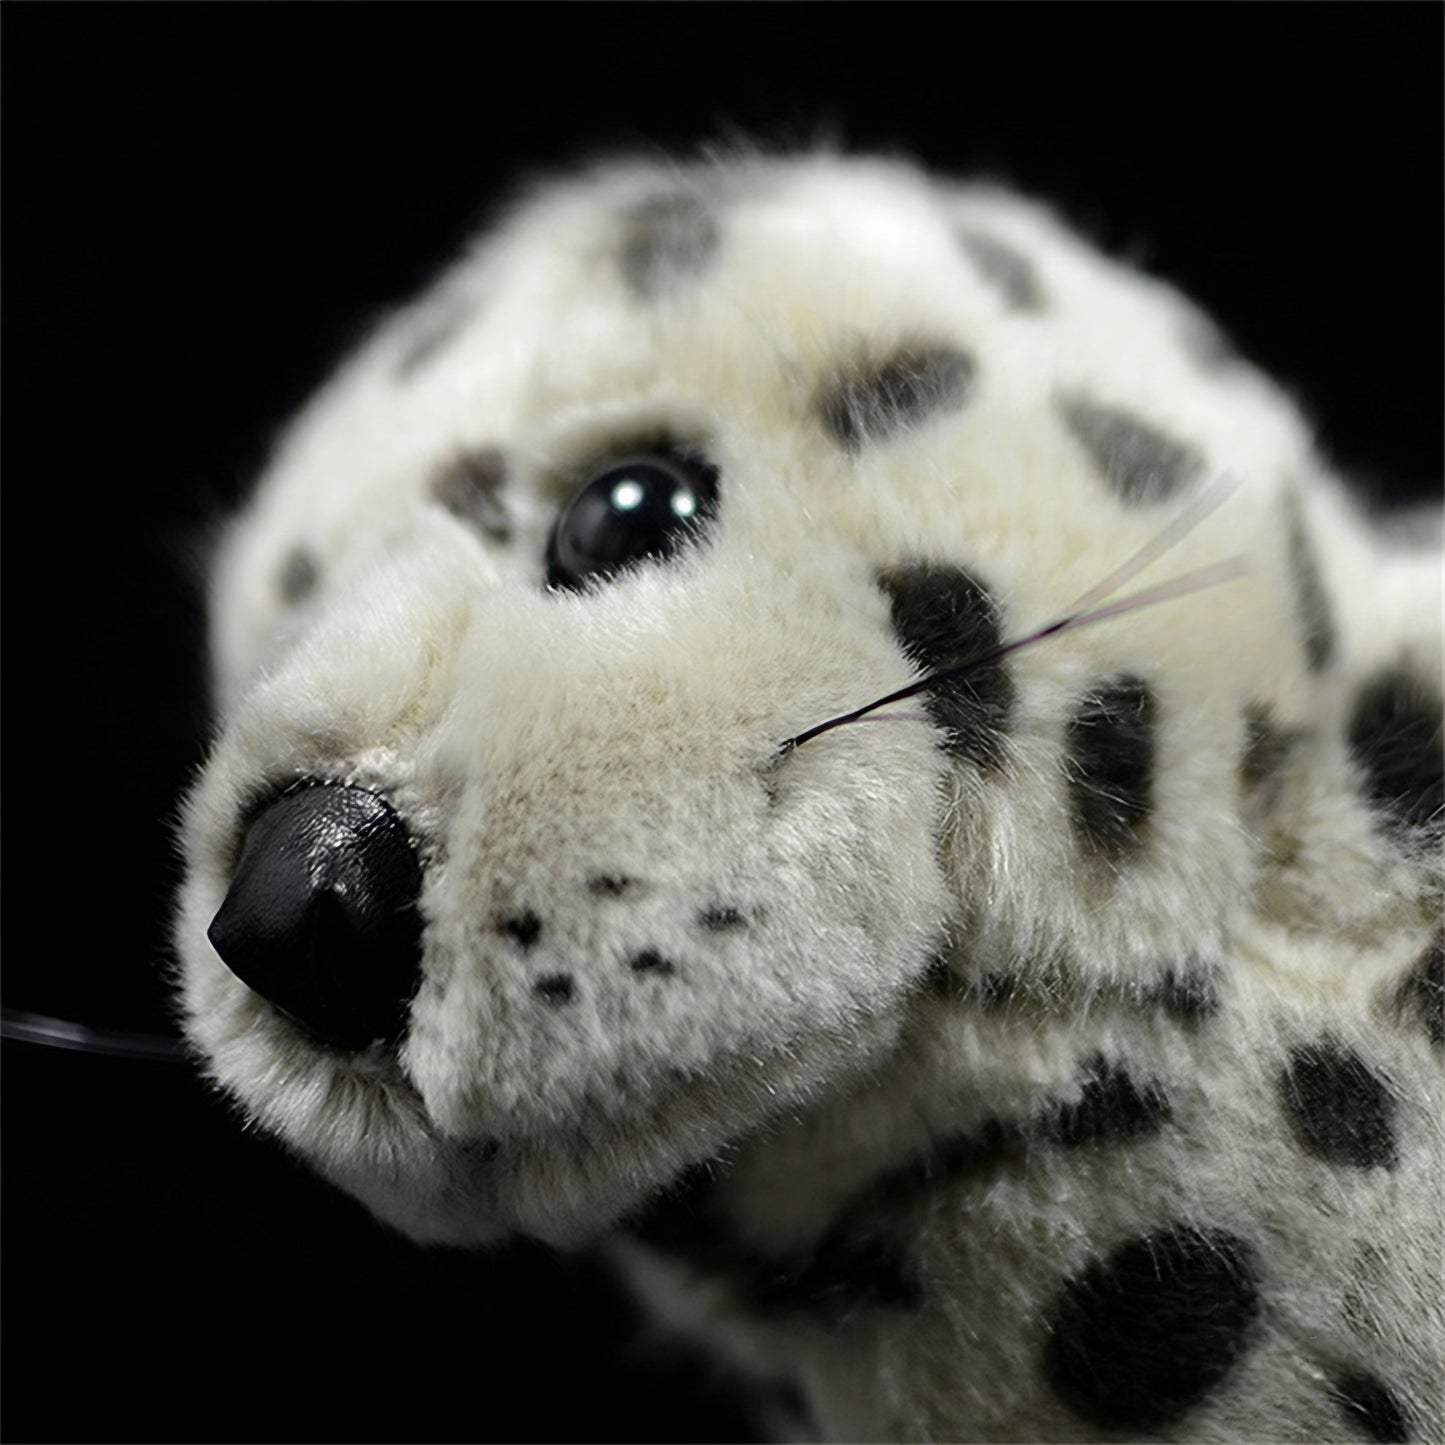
x=1340 y=1111
x=1266 y=758
x=719 y=920
x=1423 y=992
x=943 y=618
x=522 y=928
x=1395 y=737
x=767 y=776
x=298 y=577
x=440 y=324
x=1137 y=460
x=649 y=961
x=668 y=241
x=1370 y=1405
x=1011 y=272
x=878 y=402
x=1140 y=1338
x=555 y=988
x=1188 y=995
x=1266 y=749
x=469 y=486
x=1109 y=762
x=1314 y=606
x=608 y=885
x=938 y=977
x=1110 y=1109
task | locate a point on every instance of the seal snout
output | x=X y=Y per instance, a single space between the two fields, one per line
x=321 y=917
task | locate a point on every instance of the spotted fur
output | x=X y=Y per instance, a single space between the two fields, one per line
x=1058 y=1061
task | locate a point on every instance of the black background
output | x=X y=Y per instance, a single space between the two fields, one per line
x=202 y=204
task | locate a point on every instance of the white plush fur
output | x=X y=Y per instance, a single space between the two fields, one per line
x=532 y=740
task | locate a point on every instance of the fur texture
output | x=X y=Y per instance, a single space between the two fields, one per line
x=1062 y=1063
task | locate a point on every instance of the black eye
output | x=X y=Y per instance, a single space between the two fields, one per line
x=643 y=506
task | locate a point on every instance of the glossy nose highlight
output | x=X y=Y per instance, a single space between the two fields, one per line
x=321 y=918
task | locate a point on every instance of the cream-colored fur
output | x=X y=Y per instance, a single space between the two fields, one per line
x=853 y=1021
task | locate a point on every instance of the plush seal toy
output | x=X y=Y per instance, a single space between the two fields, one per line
x=795 y=718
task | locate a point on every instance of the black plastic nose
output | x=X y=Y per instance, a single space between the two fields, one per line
x=321 y=918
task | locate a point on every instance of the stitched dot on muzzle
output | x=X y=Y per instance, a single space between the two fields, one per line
x=321 y=918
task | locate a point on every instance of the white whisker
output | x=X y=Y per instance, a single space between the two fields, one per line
x=1203 y=505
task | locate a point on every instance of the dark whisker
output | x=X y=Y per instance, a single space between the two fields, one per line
x=1211 y=576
